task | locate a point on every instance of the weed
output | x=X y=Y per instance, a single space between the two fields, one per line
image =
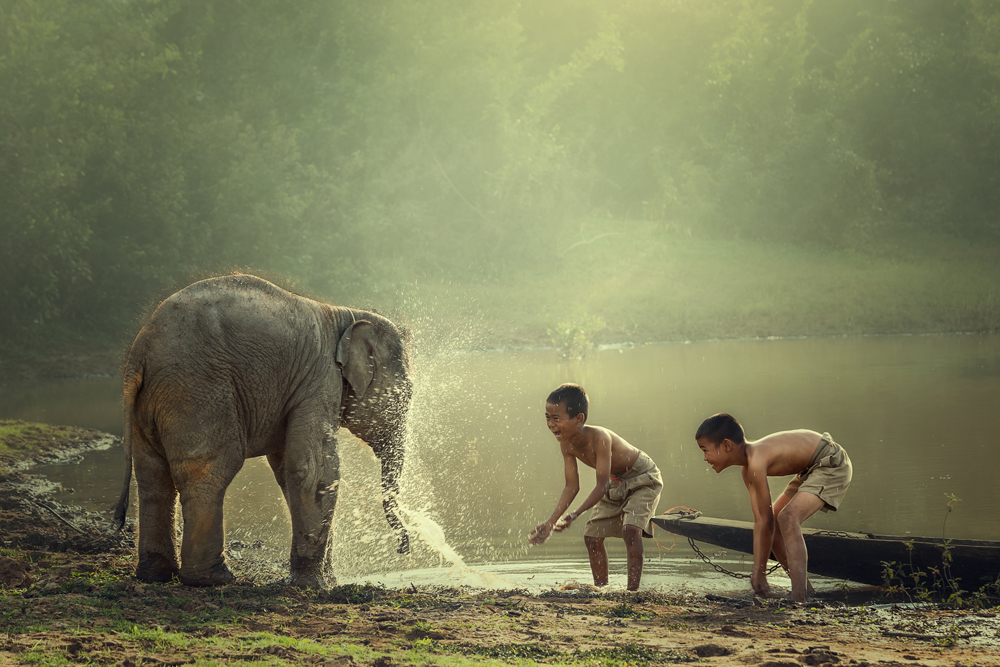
x=936 y=584
x=625 y=610
x=631 y=654
x=422 y=626
x=352 y=594
x=952 y=501
x=44 y=658
x=509 y=652
x=425 y=645
x=574 y=339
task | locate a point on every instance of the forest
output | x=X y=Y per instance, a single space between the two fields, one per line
x=363 y=149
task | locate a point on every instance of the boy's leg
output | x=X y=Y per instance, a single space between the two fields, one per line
x=778 y=544
x=633 y=545
x=802 y=506
x=598 y=559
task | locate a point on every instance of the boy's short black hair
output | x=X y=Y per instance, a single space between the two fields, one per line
x=718 y=427
x=575 y=398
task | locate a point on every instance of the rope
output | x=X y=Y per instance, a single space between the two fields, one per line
x=685 y=513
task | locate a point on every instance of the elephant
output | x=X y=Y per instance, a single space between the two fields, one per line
x=234 y=367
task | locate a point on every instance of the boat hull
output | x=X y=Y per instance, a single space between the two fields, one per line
x=859 y=557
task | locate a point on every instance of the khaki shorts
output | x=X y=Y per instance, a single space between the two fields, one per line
x=630 y=501
x=828 y=474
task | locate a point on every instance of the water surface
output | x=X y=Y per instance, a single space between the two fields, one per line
x=916 y=414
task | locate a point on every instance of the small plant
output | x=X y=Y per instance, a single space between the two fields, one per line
x=630 y=654
x=625 y=610
x=936 y=584
x=574 y=339
x=422 y=626
x=952 y=500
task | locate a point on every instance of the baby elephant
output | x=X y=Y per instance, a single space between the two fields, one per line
x=235 y=367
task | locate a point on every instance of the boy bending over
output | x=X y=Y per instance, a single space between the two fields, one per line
x=624 y=497
x=822 y=472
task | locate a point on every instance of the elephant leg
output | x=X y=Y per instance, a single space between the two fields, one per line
x=311 y=472
x=202 y=483
x=277 y=463
x=157 y=514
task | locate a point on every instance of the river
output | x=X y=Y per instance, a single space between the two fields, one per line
x=918 y=415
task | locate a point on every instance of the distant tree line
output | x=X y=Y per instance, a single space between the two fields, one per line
x=325 y=140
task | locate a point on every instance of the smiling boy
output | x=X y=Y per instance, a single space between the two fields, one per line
x=626 y=492
x=822 y=472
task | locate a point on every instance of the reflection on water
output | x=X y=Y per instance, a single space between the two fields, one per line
x=917 y=415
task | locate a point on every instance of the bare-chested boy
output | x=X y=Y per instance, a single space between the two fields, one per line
x=822 y=472
x=624 y=497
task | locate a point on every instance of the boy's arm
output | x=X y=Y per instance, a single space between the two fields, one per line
x=543 y=530
x=602 y=448
x=755 y=478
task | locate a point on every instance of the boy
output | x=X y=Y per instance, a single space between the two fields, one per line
x=822 y=472
x=624 y=497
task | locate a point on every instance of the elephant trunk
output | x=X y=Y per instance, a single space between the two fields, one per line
x=391 y=453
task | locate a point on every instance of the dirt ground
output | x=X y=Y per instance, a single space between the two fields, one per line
x=67 y=596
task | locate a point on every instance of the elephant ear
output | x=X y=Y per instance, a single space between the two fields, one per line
x=355 y=356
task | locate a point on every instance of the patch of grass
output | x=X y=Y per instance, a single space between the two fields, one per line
x=626 y=610
x=45 y=658
x=511 y=652
x=352 y=594
x=20 y=436
x=655 y=288
x=157 y=638
x=631 y=654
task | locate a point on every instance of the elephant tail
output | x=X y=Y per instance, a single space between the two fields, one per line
x=133 y=381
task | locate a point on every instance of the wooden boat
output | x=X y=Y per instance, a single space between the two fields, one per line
x=858 y=557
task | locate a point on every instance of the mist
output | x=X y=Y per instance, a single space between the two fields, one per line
x=491 y=174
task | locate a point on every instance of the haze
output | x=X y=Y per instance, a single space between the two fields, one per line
x=496 y=173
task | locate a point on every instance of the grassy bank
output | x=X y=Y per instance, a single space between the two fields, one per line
x=22 y=442
x=643 y=286
x=72 y=610
x=68 y=603
x=638 y=284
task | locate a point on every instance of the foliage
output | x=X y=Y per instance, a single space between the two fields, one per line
x=574 y=339
x=354 y=146
x=937 y=584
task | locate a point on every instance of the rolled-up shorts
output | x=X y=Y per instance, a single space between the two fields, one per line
x=828 y=474
x=629 y=501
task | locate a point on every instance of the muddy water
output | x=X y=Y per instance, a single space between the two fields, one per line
x=917 y=414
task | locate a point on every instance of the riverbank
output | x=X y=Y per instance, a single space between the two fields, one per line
x=67 y=596
x=642 y=287
x=639 y=287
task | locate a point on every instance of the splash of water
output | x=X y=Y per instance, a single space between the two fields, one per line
x=431 y=534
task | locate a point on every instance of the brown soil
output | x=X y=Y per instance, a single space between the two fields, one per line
x=66 y=588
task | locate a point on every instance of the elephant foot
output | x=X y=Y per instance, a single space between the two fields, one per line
x=156 y=569
x=404 y=543
x=312 y=580
x=220 y=575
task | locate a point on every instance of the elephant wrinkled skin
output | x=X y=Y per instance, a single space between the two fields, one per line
x=234 y=367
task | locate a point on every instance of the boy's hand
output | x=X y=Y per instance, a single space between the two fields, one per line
x=541 y=533
x=564 y=523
